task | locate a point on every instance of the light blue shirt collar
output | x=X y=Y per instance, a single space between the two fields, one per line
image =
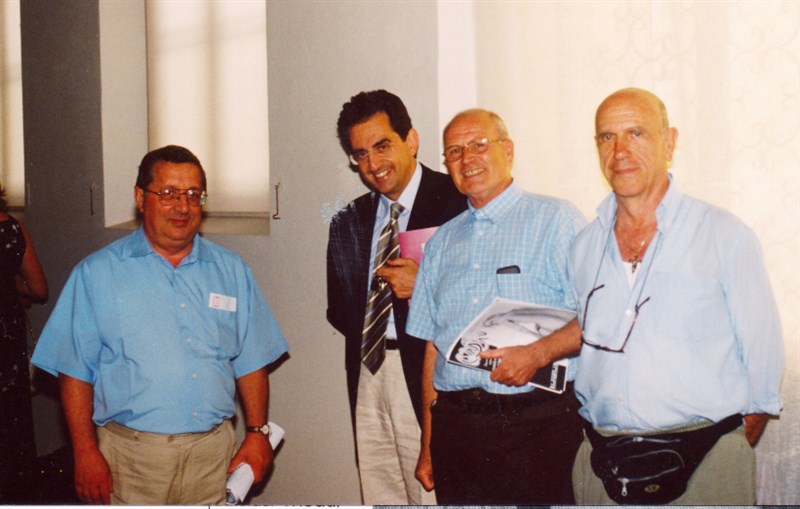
x=666 y=212
x=139 y=245
x=500 y=206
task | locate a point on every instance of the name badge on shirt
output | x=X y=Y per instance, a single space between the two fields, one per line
x=223 y=302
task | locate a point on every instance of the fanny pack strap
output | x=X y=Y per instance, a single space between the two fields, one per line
x=717 y=429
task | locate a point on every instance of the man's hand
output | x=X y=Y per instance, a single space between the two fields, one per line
x=92 y=477
x=400 y=273
x=754 y=425
x=517 y=363
x=424 y=471
x=256 y=452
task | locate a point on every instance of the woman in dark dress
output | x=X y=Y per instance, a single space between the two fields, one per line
x=22 y=282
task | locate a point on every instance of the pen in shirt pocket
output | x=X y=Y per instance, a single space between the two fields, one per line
x=510 y=269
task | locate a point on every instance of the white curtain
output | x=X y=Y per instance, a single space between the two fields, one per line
x=729 y=74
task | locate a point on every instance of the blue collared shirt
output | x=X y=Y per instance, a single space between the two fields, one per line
x=458 y=276
x=707 y=343
x=406 y=199
x=162 y=346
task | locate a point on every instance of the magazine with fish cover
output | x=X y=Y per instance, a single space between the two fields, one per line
x=504 y=323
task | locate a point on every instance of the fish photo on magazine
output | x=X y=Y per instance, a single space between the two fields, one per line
x=512 y=323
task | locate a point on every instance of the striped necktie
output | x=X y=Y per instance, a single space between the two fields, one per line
x=373 y=337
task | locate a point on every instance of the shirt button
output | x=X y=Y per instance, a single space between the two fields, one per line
x=480 y=233
x=194 y=414
x=183 y=305
x=476 y=266
x=474 y=301
x=188 y=340
x=627 y=312
x=194 y=376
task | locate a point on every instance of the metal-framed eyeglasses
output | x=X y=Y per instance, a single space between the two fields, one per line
x=170 y=196
x=604 y=348
x=381 y=149
x=640 y=302
x=476 y=146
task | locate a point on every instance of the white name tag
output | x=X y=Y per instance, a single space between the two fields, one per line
x=223 y=302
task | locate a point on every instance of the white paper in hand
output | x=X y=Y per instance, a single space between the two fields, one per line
x=239 y=483
x=241 y=480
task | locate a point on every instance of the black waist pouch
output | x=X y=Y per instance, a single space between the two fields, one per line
x=652 y=469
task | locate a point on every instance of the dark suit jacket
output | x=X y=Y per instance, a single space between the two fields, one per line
x=349 y=249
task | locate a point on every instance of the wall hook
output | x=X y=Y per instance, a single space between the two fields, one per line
x=277 y=214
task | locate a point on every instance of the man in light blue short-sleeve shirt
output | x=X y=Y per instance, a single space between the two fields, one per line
x=151 y=339
x=493 y=438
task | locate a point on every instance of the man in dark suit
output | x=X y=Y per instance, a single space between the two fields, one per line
x=375 y=131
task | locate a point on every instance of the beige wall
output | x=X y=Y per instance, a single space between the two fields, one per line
x=320 y=54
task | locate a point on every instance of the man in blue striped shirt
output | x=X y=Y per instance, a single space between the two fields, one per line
x=491 y=438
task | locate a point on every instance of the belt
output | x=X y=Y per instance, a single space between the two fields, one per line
x=392 y=344
x=481 y=401
x=159 y=438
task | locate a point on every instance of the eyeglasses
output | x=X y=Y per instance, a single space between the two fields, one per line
x=171 y=196
x=380 y=149
x=639 y=301
x=476 y=146
x=621 y=349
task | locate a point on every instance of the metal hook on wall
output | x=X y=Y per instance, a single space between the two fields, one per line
x=277 y=214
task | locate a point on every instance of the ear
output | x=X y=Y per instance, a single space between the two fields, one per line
x=670 y=140
x=412 y=140
x=508 y=151
x=138 y=195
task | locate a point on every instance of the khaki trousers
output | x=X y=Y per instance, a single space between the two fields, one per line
x=156 y=469
x=726 y=476
x=387 y=437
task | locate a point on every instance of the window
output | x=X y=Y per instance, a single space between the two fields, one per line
x=207 y=90
x=12 y=161
x=191 y=73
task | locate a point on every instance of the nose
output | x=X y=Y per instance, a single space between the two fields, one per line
x=372 y=161
x=467 y=155
x=183 y=202
x=620 y=148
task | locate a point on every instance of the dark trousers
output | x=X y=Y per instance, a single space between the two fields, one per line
x=504 y=449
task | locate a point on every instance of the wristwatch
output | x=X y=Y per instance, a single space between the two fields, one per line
x=263 y=429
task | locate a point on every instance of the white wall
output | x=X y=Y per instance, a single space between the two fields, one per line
x=320 y=54
x=728 y=74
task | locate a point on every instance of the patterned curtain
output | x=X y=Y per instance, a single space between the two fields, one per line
x=729 y=74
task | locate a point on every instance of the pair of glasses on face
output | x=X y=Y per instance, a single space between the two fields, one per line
x=170 y=196
x=476 y=146
x=381 y=149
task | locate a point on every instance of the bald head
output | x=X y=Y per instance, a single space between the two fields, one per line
x=480 y=115
x=644 y=99
x=481 y=168
x=635 y=145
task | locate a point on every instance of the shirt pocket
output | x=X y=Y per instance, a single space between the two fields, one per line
x=515 y=287
x=220 y=334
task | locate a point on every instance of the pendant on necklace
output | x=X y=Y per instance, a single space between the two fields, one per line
x=634 y=263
